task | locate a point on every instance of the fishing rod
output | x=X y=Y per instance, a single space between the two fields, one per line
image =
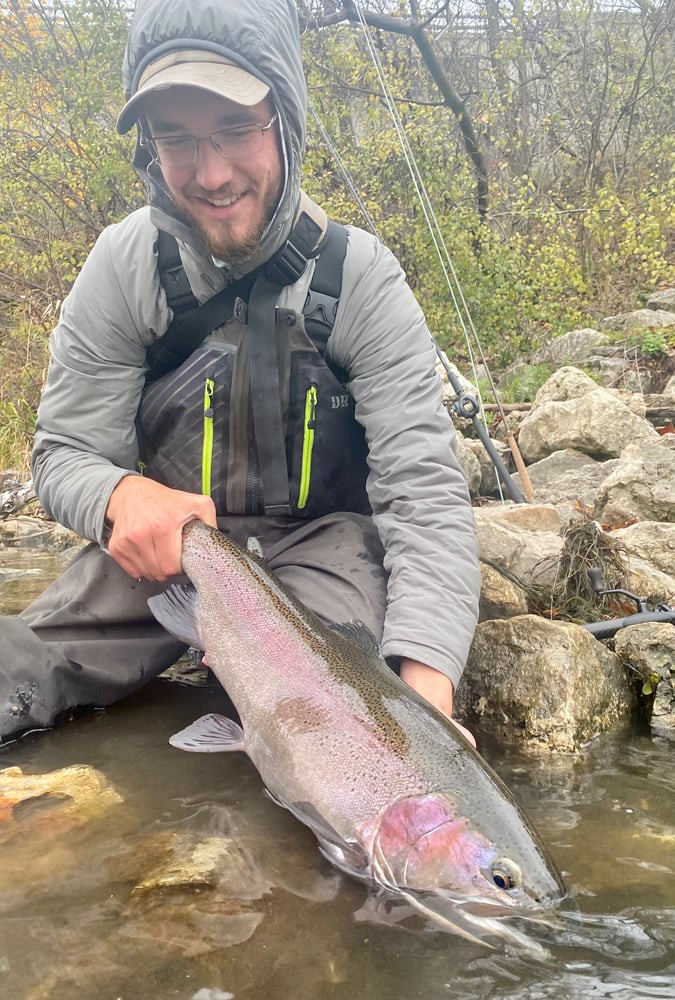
x=610 y=626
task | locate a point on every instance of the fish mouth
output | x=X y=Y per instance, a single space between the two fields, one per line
x=480 y=920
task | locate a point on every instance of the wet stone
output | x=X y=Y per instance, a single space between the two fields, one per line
x=198 y=866
x=73 y=795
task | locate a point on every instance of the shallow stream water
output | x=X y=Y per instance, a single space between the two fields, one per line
x=96 y=908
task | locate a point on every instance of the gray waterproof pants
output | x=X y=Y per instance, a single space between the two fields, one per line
x=90 y=638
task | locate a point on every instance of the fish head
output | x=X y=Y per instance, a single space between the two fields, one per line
x=421 y=843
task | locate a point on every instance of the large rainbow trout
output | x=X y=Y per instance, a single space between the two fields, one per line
x=393 y=792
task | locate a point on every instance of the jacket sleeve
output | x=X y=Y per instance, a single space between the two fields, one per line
x=85 y=439
x=416 y=486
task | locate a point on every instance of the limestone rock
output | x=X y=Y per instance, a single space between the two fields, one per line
x=550 y=685
x=664 y=400
x=571 y=347
x=640 y=319
x=648 y=650
x=488 y=481
x=470 y=466
x=664 y=299
x=499 y=596
x=566 y=383
x=641 y=488
x=516 y=551
x=567 y=475
x=596 y=423
x=648 y=582
x=652 y=541
x=618 y=370
x=449 y=394
x=571 y=383
x=529 y=517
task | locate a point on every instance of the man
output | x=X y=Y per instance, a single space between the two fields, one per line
x=217 y=92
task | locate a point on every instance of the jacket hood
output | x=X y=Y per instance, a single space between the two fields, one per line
x=261 y=36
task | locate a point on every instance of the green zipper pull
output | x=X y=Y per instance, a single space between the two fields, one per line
x=140 y=465
x=207 y=446
x=311 y=399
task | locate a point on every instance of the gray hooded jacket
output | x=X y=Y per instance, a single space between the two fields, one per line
x=86 y=436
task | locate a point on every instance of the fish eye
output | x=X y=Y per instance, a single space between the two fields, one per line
x=506 y=874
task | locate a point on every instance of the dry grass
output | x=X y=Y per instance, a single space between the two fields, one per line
x=572 y=597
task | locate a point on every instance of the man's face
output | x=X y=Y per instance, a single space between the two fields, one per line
x=229 y=201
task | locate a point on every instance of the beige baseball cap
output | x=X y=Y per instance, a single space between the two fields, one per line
x=193 y=68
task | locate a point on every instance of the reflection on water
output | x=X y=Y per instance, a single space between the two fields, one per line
x=24 y=573
x=195 y=886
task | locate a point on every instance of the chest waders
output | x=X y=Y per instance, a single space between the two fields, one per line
x=251 y=382
x=90 y=638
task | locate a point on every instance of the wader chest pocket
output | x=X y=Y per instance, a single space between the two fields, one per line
x=325 y=446
x=183 y=423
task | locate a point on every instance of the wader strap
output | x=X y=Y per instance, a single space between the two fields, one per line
x=172 y=274
x=282 y=269
x=191 y=322
x=321 y=304
x=188 y=329
x=265 y=396
x=186 y=332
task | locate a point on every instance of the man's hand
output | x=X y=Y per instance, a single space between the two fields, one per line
x=147 y=522
x=435 y=687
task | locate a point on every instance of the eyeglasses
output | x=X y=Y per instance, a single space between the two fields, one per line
x=234 y=143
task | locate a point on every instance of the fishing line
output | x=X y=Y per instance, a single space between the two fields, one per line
x=445 y=260
x=346 y=176
x=476 y=411
x=452 y=282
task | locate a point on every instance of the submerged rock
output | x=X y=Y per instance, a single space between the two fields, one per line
x=196 y=866
x=72 y=795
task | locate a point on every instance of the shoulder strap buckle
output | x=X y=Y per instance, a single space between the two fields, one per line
x=286 y=267
x=303 y=243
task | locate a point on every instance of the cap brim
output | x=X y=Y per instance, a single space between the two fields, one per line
x=223 y=79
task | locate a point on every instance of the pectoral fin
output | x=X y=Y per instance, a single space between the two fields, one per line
x=346 y=855
x=176 y=610
x=210 y=734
